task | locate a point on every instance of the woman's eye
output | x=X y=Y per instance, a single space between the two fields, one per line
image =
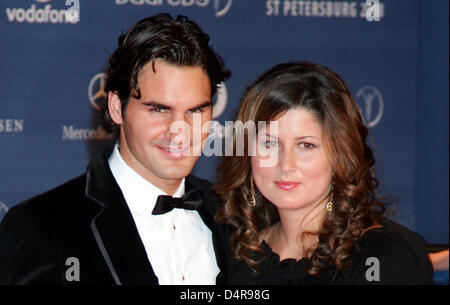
x=271 y=143
x=307 y=145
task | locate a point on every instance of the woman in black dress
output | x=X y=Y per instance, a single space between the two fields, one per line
x=300 y=204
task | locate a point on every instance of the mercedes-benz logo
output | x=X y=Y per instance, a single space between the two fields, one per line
x=96 y=90
x=371 y=105
x=3 y=209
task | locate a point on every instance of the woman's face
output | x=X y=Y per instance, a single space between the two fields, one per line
x=301 y=175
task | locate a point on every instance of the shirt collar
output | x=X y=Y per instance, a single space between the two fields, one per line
x=139 y=194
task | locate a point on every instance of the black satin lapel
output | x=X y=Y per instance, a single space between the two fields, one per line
x=114 y=228
x=122 y=248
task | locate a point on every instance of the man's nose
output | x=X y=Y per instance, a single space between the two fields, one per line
x=178 y=129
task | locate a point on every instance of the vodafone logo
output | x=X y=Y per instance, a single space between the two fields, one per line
x=40 y=13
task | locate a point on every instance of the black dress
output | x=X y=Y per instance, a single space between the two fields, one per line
x=389 y=255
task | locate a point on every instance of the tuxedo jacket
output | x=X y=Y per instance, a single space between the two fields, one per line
x=86 y=224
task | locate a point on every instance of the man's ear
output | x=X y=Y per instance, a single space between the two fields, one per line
x=115 y=107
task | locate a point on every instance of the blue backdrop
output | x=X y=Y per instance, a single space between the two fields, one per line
x=396 y=68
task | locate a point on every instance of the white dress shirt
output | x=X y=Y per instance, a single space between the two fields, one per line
x=178 y=243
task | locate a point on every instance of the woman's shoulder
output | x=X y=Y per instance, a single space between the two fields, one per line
x=393 y=236
x=389 y=254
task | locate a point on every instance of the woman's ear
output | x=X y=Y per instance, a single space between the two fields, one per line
x=115 y=107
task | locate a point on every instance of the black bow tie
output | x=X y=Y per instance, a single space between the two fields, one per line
x=191 y=200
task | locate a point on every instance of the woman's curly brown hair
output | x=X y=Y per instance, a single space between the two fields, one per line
x=356 y=207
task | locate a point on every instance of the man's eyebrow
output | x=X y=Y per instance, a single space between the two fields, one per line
x=203 y=105
x=156 y=105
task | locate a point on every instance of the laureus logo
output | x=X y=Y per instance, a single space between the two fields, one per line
x=3 y=209
x=371 y=104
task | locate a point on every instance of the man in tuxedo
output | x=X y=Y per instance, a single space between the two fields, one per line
x=137 y=216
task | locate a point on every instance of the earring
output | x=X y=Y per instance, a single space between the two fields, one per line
x=330 y=203
x=330 y=206
x=252 y=192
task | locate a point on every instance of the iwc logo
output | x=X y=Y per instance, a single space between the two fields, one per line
x=370 y=102
x=3 y=209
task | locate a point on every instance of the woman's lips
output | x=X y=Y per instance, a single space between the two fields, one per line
x=286 y=185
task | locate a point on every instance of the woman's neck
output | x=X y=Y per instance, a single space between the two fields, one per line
x=286 y=237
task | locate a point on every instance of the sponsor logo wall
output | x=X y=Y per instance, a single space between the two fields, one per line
x=53 y=52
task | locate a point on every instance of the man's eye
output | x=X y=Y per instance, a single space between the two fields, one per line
x=200 y=110
x=158 y=110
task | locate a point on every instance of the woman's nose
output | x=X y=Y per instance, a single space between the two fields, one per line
x=288 y=161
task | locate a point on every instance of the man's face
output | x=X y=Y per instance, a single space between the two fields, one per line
x=158 y=137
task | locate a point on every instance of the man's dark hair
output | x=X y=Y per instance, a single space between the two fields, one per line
x=179 y=42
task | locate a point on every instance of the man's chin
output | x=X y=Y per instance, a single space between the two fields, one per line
x=175 y=172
